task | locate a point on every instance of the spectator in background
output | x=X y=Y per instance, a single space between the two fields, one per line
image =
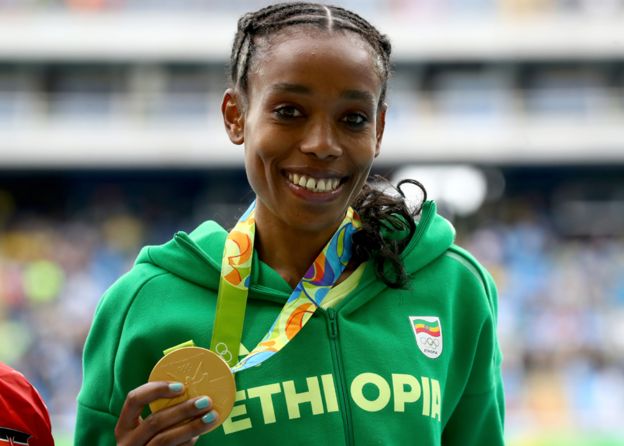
x=24 y=417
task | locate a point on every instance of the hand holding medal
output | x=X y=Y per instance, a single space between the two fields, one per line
x=180 y=425
x=201 y=372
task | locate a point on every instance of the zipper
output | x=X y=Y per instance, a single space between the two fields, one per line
x=332 y=325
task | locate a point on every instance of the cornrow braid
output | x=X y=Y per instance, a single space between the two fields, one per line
x=274 y=18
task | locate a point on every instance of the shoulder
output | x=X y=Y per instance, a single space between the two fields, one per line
x=192 y=258
x=117 y=302
x=472 y=267
x=468 y=286
x=10 y=375
x=14 y=383
x=25 y=413
x=123 y=291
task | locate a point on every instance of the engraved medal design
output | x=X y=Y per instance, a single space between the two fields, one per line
x=203 y=373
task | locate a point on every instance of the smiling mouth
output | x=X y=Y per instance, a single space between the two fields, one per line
x=318 y=185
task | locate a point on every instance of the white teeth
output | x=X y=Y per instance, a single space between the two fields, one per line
x=313 y=184
x=320 y=185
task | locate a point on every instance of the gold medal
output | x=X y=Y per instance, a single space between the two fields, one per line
x=202 y=372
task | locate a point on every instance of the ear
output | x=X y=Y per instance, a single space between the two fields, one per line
x=381 y=125
x=233 y=116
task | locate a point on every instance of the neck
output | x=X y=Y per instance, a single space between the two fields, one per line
x=290 y=251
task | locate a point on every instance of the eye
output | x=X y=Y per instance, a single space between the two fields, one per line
x=355 y=120
x=287 y=112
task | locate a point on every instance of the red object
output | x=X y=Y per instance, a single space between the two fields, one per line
x=24 y=418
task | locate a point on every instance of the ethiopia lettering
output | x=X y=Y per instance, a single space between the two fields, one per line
x=317 y=395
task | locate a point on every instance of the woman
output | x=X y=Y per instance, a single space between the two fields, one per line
x=403 y=348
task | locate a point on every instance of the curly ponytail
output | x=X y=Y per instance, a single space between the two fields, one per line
x=388 y=225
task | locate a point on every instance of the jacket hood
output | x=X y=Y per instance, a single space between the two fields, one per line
x=196 y=257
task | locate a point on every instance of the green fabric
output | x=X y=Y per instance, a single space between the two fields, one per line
x=354 y=375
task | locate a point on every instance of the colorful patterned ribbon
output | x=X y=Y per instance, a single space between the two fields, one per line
x=300 y=306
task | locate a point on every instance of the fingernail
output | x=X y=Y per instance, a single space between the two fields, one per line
x=176 y=387
x=202 y=403
x=209 y=417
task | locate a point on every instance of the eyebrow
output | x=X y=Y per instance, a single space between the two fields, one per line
x=357 y=95
x=291 y=88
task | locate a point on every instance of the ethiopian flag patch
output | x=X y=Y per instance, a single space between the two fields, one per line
x=428 y=333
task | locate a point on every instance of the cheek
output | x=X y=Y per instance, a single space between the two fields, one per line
x=261 y=142
x=260 y=167
x=364 y=155
x=254 y=168
x=363 y=163
x=362 y=160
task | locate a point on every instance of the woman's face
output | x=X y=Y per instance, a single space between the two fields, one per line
x=311 y=127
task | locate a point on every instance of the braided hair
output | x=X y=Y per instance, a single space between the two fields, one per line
x=274 y=18
x=381 y=212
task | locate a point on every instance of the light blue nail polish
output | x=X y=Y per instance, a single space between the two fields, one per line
x=176 y=387
x=202 y=403
x=209 y=417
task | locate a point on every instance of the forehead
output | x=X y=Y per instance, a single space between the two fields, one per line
x=338 y=58
x=310 y=31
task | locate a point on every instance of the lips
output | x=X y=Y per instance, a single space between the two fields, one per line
x=314 y=184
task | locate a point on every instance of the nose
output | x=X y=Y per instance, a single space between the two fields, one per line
x=321 y=140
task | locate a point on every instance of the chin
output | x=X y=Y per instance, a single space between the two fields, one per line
x=316 y=219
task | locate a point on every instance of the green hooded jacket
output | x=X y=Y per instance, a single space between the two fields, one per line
x=419 y=365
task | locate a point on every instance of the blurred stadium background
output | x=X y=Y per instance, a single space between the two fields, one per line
x=511 y=112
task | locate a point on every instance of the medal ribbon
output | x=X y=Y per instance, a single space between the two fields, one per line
x=307 y=296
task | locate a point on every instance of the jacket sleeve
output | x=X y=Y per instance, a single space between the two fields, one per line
x=95 y=423
x=94 y=427
x=478 y=418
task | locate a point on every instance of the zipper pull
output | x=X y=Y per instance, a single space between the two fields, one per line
x=333 y=323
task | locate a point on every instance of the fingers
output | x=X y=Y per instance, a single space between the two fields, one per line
x=137 y=399
x=191 y=442
x=187 y=433
x=177 y=425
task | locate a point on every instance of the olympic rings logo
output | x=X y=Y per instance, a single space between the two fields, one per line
x=222 y=350
x=427 y=341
